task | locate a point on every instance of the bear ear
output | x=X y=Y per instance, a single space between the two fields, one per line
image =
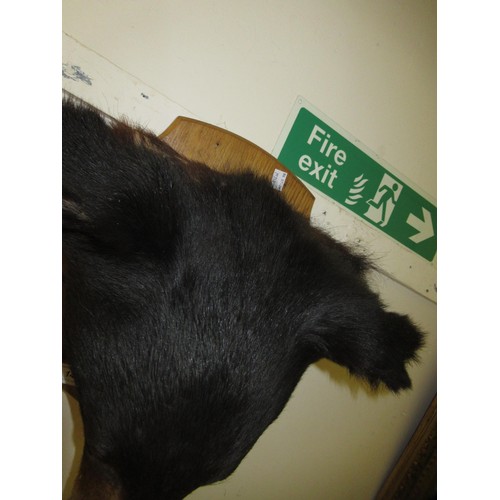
x=113 y=182
x=373 y=344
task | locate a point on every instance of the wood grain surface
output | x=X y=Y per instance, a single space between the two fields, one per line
x=226 y=152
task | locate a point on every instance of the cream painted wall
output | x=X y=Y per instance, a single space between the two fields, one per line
x=371 y=67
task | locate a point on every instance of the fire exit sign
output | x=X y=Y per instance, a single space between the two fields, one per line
x=321 y=155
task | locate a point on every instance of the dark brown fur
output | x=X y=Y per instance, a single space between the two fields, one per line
x=194 y=302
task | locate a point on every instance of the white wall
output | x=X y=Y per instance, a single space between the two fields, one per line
x=371 y=67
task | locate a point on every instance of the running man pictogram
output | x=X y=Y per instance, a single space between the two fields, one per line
x=384 y=201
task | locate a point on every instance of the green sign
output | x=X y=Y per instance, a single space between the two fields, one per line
x=325 y=159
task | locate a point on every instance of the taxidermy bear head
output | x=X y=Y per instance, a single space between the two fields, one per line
x=193 y=303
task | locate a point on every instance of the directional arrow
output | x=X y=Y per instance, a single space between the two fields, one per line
x=424 y=227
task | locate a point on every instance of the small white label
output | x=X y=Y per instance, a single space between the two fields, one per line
x=67 y=375
x=279 y=178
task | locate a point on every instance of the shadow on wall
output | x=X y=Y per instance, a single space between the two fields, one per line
x=341 y=376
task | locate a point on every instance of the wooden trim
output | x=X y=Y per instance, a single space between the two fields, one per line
x=414 y=477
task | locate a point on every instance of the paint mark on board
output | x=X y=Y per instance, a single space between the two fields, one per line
x=75 y=73
x=144 y=95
